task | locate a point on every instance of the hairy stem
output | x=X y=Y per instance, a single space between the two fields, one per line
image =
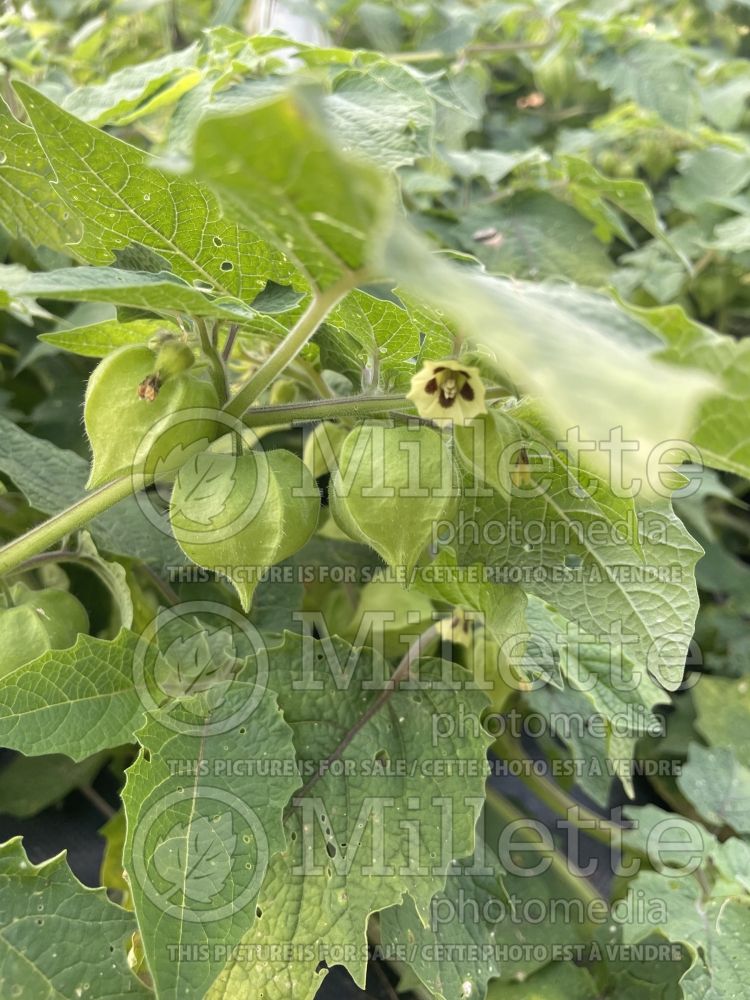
x=325 y=409
x=321 y=304
x=40 y=538
x=357 y=407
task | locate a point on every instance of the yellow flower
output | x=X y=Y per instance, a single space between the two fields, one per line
x=447 y=390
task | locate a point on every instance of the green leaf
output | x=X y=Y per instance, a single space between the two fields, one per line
x=48 y=917
x=363 y=837
x=724 y=103
x=122 y=198
x=606 y=686
x=732 y=236
x=557 y=981
x=379 y=333
x=97 y=340
x=52 y=480
x=135 y=90
x=723 y=708
x=595 y=195
x=275 y=169
x=533 y=235
x=161 y=292
x=586 y=552
x=721 y=431
x=392 y=135
x=490 y=164
x=478 y=927
x=674 y=844
x=658 y=75
x=30 y=784
x=714 y=932
x=30 y=208
x=718 y=786
x=480 y=879
x=438 y=335
x=203 y=821
x=502 y=607
x=709 y=177
x=75 y=701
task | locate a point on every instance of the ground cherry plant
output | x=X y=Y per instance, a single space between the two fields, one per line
x=378 y=382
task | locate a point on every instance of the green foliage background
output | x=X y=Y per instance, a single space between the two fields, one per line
x=593 y=158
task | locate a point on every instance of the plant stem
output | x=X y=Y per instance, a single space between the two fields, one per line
x=476 y=48
x=325 y=409
x=557 y=800
x=218 y=371
x=58 y=555
x=96 y=799
x=229 y=342
x=357 y=407
x=321 y=304
x=562 y=866
x=41 y=537
x=402 y=672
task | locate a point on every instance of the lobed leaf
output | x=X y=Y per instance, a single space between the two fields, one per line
x=204 y=803
x=58 y=938
x=366 y=834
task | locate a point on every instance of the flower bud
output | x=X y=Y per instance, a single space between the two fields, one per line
x=173 y=358
x=283 y=391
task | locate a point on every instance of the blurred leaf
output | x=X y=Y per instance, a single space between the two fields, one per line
x=30 y=784
x=723 y=710
x=582 y=378
x=533 y=235
x=718 y=786
x=132 y=91
x=324 y=217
